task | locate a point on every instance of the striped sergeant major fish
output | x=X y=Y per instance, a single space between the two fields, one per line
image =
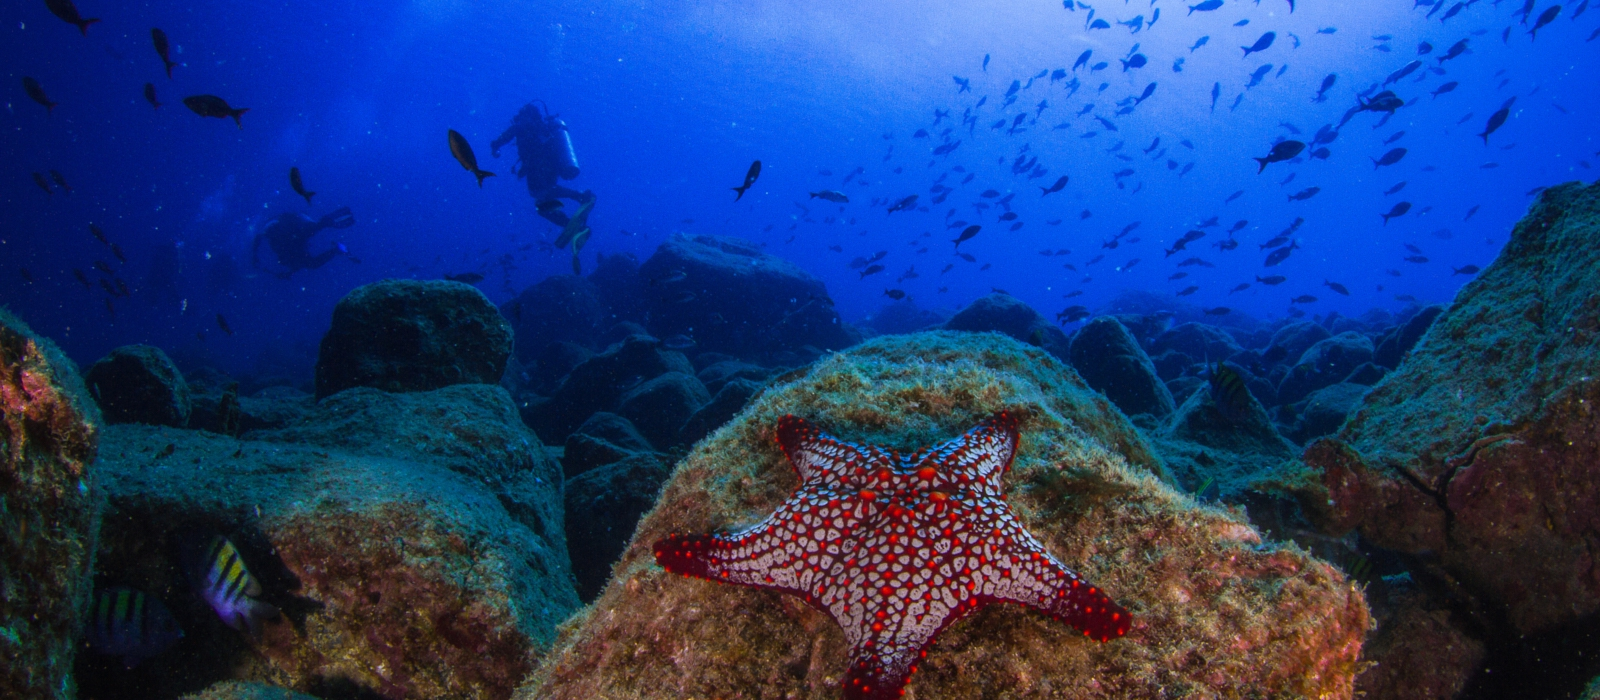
x=131 y=624
x=228 y=587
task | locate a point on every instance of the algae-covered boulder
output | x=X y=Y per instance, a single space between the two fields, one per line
x=603 y=504
x=1215 y=612
x=1111 y=361
x=1232 y=449
x=49 y=512
x=413 y=335
x=1324 y=410
x=1007 y=315
x=1324 y=364
x=139 y=384
x=1293 y=339
x=1401 y=339
x=556 y=309
x=241 y=690
x=1201 y=342
x=415 y=542
x=731 y=297
x=1479 y=449
x=598 y=383
x=660 y=406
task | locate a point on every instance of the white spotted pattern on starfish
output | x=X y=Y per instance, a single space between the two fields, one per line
x=897 y=548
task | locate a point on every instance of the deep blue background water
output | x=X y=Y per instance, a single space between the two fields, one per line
x=669 y=102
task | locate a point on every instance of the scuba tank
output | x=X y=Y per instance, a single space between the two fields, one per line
x=567 y=161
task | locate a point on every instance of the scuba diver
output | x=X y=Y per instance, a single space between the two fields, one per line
x=290 y=233
x=544 y=157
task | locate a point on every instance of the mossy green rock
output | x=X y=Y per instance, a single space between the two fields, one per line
x=49 y=512
x=1216 y=613
x=1480 y=448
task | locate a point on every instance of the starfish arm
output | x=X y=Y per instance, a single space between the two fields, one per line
x=820 y=457
x=883 y=659
x=978 y=459
x=1030 y=576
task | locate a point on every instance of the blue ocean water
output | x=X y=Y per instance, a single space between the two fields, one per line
x=668 y=103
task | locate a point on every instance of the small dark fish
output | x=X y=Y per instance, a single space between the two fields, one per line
x=150 y=95
x=871 y=270
x=1233 y=196
x=225 y=582
x=213 y=106
x=60 y=180
x=1304 y=194
x=36 y=92
x=1199 y=43
x=832 y=196
x=749 y=179
x=1455 y=50
x=1468 y=270
x=458 y=148
x=1186 y=291
x=1135 y=61
x=1424 y=48
x=117 y=251
x=1280 y=255
x=163 y=49
x=1546 y=17
x=1072 y=314
x=1326 y=83
x=223 y=324
x=1060 y=183
x=1282 y=151
x=895 y=294
x=1206 y=6
x=131 y=624
x=1396 y=188
x=465 y=277
x=1404 y=71
x=39 y=179
x=904 y=204
x=965 y=84
x=69 y=14
x=299 y=187
x=82 y=278
x=1262 y=44
x=1393 y=156
x=1303 y=299
x=1218 y=311
x=1496 y=120
x=967 y=234
x=1083 y=60
x=1335 y=286
x=1418 y=259
x=1242 y=286
x=1399 y=209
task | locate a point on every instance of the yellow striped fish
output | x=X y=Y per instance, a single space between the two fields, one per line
x=128 y=623
x=227 y=585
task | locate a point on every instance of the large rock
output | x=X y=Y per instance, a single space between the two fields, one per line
x=603 y=505
x=660 y=406
x=1324 y=364
x=598 y=383
x=1201 y=342
x=556 y=309
x=1231 y=449
x=413 y=335
x=49 y=513
x=139 y=384
x=1294 y=339
x=1005 y=314
x=1111 y=362
x=1216 y=612
x=1479 y=450
x=415 y=542
x=1324 y=410
x=730 y=297
x=723 y=406
x=1400 y=340
x=602 y=439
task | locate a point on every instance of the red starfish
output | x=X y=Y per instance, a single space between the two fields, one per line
x=897 y=548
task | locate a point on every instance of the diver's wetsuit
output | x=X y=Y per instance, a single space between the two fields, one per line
x=544 y=158
x=289 y=234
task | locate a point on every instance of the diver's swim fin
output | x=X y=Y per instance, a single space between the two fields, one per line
x=340 y=218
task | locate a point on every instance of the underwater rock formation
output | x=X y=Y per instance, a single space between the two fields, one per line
x=1201 y=342
x=1324 y=410
x=659 y=407
x=729 y=296
x=598 y=383
x=1200 y=442
x=240 y=690
x=414 y=541
x=413 y=335
x=1324 y=364
x=49 y=512
x=1393 y=346
x=139 y=384
x=603 y=505
x=1111 y=362
x=556 y=309
x=1005 y=314
x=723 y=406
x=1479 y=448
x=602 y=439
x=1215 y=611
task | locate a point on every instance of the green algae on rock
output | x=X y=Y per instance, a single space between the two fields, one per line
x=49 y=512
x=1479 y=448
x=1215 y=611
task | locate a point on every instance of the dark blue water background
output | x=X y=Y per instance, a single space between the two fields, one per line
x=669 y=102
